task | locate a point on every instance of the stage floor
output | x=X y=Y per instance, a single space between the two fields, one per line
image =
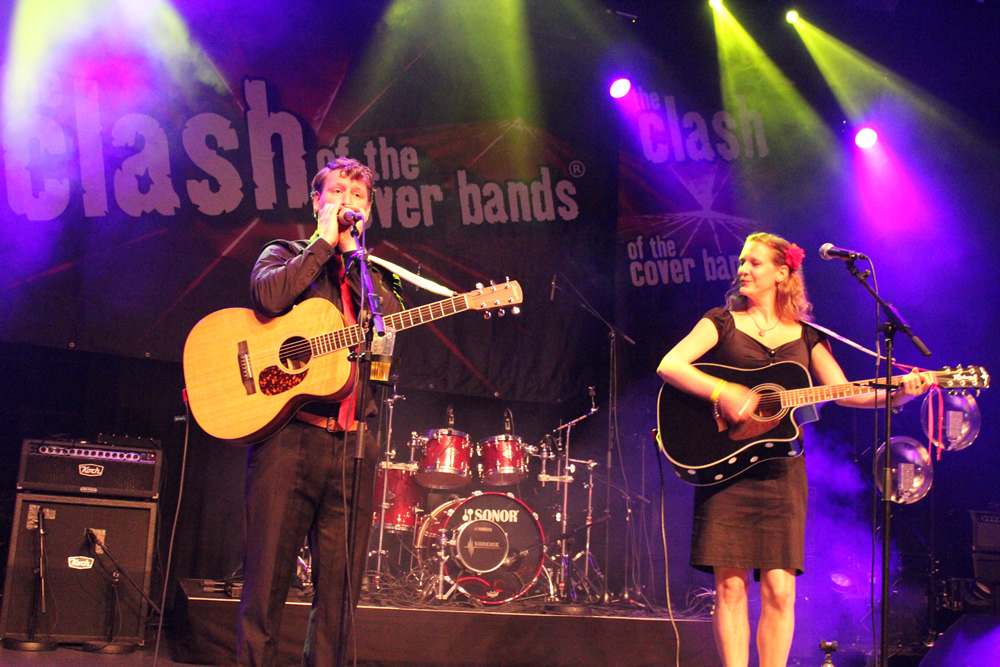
x=511 y=634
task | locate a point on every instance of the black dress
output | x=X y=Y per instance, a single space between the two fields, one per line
x=757 y=519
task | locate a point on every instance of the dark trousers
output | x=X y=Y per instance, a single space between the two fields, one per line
x=298 y=484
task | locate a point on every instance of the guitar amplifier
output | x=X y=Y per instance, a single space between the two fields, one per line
x=89 y=469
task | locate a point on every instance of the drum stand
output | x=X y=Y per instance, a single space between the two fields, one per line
x=567 y=579
x=387 y=465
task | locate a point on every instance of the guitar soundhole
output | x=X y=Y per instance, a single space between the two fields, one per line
x=294 y=354
x=769 y=403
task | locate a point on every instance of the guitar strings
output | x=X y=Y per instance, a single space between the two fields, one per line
x=773 y=399
x=350 y=335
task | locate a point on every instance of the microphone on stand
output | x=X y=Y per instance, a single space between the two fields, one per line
x=351 y=217
x=508 y=421
x=830 y=251
x=552 y=292
x=593 y=406
x=451 y=416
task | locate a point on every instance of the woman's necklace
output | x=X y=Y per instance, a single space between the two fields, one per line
x=761 y=331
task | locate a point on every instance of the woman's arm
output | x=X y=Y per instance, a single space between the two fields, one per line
x=735 y=401
x=827 y=371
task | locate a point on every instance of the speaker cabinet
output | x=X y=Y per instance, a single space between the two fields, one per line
x=87 y=597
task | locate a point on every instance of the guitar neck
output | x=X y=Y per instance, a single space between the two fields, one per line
x=793 y=398
x=353 y=335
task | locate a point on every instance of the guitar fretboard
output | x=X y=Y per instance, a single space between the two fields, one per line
x=353 y=335
x=793 y=398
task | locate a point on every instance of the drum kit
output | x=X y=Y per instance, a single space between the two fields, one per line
x=486 y=545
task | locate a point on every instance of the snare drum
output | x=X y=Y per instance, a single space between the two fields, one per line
x=503 y=460
x=396 y=488
x=445 y=463
x=492 y=547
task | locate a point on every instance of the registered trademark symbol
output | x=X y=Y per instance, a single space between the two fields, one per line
x=577 y=169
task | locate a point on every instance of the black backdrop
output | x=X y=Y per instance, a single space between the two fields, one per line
x=93 y=323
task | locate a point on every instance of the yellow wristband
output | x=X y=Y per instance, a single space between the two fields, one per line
x=718 y=390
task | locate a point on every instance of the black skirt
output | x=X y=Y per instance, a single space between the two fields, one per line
x=755 y=521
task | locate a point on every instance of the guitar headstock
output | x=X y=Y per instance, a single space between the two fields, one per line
x=972 y=377
x=504 y=295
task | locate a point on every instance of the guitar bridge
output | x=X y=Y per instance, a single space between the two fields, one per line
x=246 y=370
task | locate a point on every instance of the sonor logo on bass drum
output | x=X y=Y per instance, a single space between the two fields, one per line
x=496 y=516
x=80 y=562
x=91 y=470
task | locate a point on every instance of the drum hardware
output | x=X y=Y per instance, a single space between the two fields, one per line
x=574 y=581
x=565 y=465
x=303 y=570
x=397 y=479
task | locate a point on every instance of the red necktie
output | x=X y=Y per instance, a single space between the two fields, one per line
x=346 y=415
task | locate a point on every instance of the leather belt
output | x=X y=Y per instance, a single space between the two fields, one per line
x=327 y=423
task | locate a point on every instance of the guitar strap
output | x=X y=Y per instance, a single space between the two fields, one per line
x=846 y=341
x=413 y=278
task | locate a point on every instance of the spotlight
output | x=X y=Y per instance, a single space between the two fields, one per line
x=619 y=88
x=715 y=4
x=792 y=16
x=865 y=138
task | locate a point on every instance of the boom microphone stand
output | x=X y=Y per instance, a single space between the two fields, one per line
x=613 y=334
x=371 y=322
x=894 y=323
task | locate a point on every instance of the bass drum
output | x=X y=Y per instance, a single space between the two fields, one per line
x=492 y=545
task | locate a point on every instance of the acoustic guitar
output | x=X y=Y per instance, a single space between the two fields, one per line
x=703 y=450
x=246 y=376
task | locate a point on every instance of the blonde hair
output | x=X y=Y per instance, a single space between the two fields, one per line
x=791 y=301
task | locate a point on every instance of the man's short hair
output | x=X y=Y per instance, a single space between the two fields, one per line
x=350 y=168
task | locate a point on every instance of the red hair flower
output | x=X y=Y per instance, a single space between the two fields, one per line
x=794 y=256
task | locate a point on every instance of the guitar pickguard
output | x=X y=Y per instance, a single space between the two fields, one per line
x=274 y=381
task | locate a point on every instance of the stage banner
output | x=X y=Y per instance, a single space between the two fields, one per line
x=694 y=182
x=146 y=165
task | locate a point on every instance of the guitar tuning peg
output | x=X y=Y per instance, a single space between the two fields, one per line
x=515 y=310
x=479 y=286
x=501 y=312
x=487 y=315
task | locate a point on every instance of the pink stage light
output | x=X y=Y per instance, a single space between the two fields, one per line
x=620 y=88
x=865 y=138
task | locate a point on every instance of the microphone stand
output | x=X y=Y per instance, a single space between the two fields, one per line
x=894 y=323
x=613 y=333
x=38 y=599
x=371 y=313
x=109 y=646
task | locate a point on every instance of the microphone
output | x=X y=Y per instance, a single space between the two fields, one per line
x=552 y=292
x=829 y=251
x=351 y=217
x=508 y=421
x=593 y=406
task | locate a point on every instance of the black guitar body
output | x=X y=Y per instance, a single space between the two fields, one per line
x=702 y=455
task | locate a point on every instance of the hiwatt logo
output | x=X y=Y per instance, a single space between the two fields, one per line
x=91 y=470
x=80 y=562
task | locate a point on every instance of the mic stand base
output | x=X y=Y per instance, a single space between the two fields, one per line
x=28 y=645
x=107 y=649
